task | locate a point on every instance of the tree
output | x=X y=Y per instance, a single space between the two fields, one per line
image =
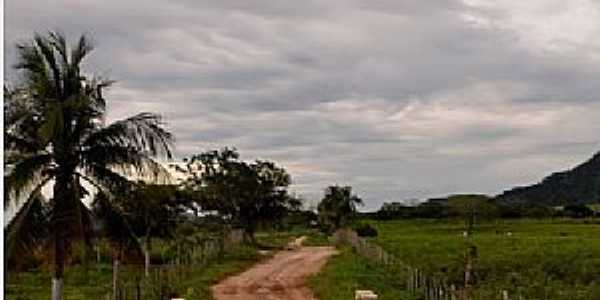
x=117 y=231
x=337 y=207
x=152 y=210
x=55 y=134
x=249 y=195
x=577 y=211
x=472 y=208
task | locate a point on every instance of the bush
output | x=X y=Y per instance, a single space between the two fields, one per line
x=577 y=211
x=366 y=230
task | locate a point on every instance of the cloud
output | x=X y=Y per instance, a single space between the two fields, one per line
x=400 y=99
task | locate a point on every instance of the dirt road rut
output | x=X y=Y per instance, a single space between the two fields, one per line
x=282 y=277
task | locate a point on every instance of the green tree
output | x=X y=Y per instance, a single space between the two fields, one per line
x=153 y=211
x=55 y=134
x=247 y=194
x=337 y=207
x=471 y=208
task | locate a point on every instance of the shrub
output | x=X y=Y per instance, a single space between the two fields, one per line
x=366 y=230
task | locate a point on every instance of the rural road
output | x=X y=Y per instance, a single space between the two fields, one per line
x=282 y=277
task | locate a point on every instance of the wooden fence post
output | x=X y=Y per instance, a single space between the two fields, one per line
x=505 y=295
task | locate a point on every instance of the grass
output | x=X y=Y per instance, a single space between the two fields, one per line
x=346 y=272
x=200 y=281
x=539 y=259
x=80 y=283
x=94 y=281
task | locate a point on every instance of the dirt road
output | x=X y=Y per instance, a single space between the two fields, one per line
x=282 y=277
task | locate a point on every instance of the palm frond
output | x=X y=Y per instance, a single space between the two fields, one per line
x=58 y=41
x=127 y=160
x=83 y=48
x=28 y=228
x=143 y=132
x=36 y=77
x=115 y=226
x=85 y=225
x=26 y=173
x=106 y=180
x=21 y=122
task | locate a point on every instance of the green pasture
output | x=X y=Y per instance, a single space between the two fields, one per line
x=537 y=259
x=346 y=272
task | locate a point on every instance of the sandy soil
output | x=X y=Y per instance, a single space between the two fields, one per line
x=282 y=277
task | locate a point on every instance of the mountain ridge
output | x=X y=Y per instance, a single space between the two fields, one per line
x=579 y=185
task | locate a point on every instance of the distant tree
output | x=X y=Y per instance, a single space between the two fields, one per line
x=577 y=211
x=153 y=211
x=472 y=208
x=395 y=210
x=432 y=208
x=55 y=134
x=247 y=194
x=528 y=210
x=337 y=207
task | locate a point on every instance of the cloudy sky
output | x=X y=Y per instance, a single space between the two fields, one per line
x=398 y=98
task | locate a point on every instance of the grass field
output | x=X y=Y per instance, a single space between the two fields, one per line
x=346 y=272
x=548 y=259
x=94 y=281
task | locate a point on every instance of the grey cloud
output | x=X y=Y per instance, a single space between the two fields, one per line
x=400 y=99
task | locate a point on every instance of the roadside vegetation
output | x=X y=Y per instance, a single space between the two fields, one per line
x=93 y=281
x=347 y=271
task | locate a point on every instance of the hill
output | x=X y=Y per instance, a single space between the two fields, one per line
x=580 y=185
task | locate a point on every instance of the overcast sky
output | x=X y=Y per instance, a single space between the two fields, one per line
x=400 y=99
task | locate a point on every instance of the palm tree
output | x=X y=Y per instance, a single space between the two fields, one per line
x=55 y=134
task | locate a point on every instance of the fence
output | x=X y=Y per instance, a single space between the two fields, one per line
x=414 y=280
x=165 y=279
x=425 y=286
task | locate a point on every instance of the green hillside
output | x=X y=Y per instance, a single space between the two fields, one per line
x=580 y=185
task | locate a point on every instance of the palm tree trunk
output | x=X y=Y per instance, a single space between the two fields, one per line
x=98 y=253
x=249 y=237
x=63 y=196
x=59 y=265
x=115 y=276
x=147 y=249
x=56 y=288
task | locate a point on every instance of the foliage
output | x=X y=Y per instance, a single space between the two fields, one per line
x=366 y=230
x=115 y=228
x=337 y=207
x=577 y=211
x=471 y=208
x=153 y=210
x=55 y=132
x=248 y=194
x=93 y=282
x=346 y=272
